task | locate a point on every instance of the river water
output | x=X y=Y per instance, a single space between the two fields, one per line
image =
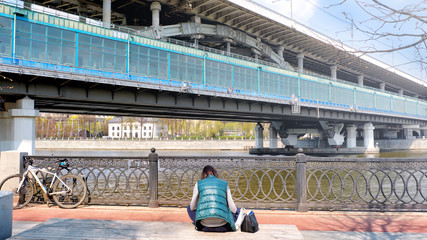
x=134 y=153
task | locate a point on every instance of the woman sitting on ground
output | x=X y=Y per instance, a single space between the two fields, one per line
x=212 y=208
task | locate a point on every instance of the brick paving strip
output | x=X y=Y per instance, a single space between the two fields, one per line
x=404 y=222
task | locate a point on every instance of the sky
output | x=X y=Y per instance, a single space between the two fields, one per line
x=331 y=21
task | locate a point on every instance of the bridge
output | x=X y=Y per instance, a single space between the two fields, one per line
x=211 y=59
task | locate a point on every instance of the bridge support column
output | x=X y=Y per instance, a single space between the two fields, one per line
x=423 y=131
x=401 y=92
x=18 y=127
x=334 y=72
x=408 y=131
x=256 y=53
x=382 y=87
x=259 y=138
x=272 y=136
x=300 y=57
x=333 y=132
x=280 y=51
x=360 y=80
x=286 y=138
x=106 y=13
x=228 y=41
x=155 y=8
x=351 y=136
x=368 y=135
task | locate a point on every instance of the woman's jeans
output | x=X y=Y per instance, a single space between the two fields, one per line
x=192 y=214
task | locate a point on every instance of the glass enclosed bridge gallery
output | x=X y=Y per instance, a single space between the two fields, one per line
x=40 y=40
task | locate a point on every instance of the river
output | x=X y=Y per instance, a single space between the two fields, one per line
x=133 y=153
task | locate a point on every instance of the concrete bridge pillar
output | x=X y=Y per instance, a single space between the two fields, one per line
x=228 y=41
x=334 y=72
x=197 y=19
x=272 y=136
x=155 y=8
x=351 y=136
x=256 y=53
x=382 y=87
x=408 y=131
x=423 y=131
x=300 y=57
x=106 y=13
x=333 y=132
x=280 y=51
x=18 y=127
x=368 y=135
x=259 y=138
x=360 y=80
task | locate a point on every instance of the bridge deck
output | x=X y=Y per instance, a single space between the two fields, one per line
x=37 y=43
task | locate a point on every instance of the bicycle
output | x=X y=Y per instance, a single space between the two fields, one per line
x=68 y=191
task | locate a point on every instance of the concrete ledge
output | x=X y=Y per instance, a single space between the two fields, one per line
x=5 y=214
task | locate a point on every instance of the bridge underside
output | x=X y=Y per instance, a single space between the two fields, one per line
x=111 y=97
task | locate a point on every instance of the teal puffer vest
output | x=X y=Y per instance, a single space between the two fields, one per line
x=213 y=201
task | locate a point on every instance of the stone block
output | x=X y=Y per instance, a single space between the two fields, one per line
x=6 y=214
x=11 y=162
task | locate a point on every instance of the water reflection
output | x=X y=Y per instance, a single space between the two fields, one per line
x=136 y=153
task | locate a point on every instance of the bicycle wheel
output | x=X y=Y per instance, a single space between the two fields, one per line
x=72 y=196
x=21 y=197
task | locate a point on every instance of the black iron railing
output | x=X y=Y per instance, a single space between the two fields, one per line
x=295 y=182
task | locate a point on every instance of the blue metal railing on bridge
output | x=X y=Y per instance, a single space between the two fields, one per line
x=37 y=40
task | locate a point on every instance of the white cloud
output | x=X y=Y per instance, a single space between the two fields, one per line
x=302 y=10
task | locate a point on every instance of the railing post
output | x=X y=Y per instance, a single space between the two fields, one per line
x=153 y=158
x=301 y=183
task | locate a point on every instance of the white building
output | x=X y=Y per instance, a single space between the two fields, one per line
x=134 y=128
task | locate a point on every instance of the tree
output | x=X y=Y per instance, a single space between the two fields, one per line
x=3 y=106
x=399 y=23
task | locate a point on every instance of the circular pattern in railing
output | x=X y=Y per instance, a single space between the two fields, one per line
x=255 y=181
x=250 y=180
x=110 y=180
x=367 y=184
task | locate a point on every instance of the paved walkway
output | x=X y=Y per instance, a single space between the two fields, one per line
x=114 y=222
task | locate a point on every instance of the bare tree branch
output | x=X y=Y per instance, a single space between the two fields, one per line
x=404 y=28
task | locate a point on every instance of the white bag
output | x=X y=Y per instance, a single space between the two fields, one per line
x=240 y=218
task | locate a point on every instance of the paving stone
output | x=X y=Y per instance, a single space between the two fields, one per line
x=64 y=228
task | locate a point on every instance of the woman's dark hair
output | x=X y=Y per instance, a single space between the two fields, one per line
x=209 y=170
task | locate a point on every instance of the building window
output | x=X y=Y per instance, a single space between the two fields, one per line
x=145 y=128
x=145 y=134
x=113 y=128
x=118 y=128
x=149 y=128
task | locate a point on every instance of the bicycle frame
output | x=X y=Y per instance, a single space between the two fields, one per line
x=33 y=171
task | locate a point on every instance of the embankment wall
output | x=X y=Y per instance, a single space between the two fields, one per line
x=392 y=144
